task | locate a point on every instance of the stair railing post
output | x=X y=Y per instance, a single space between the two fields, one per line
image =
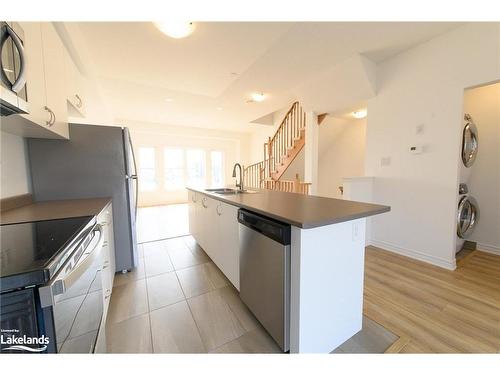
x=269 y=157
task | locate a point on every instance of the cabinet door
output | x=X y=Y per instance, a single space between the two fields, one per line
x=201 y=228
x=111 y=241
x=75 y=87
x=53 y=58
x=35 y=76
x=228 y=257
x=210 y=227
x=192 y=214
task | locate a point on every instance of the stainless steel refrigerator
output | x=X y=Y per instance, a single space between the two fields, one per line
x=96 y=161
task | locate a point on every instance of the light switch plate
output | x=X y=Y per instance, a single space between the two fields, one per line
x=385 y=161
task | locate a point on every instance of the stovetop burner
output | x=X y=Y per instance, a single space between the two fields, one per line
x=34 y=251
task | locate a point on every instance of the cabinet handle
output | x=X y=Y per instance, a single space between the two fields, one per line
x=52 y=119
x=217 y=209
x=193 y=198
x=79 y=104
x=203 y=202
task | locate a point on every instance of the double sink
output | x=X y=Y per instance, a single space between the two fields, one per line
x=229 y=191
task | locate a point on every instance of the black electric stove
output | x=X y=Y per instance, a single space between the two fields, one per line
x=51 y=298
x=32 y=253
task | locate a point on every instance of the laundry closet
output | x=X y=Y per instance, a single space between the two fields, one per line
x=478 y=211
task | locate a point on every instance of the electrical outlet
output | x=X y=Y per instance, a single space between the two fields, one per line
x=419 y=129
x=385 y=161
x=355 y=231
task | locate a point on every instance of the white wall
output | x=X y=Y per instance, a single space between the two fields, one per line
x=483 y=104
x=342 y=153
x=14 y=166
x=425 y=85
x=234 y=145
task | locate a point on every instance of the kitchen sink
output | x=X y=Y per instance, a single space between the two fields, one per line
x=228 y=191
x=222 y=191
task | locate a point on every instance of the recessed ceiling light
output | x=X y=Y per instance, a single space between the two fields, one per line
x=176 y=29
x=219 y=108
x=360 y=114
x=169 y=100
x=258 y=97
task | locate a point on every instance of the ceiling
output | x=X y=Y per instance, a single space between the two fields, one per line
x=206 y=79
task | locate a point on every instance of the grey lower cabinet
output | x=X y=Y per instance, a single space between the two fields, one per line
x=214 y=226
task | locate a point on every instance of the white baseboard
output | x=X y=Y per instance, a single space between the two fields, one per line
x=443 y=263
x=488 y=248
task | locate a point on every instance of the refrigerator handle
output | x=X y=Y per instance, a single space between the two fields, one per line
x=134 y=175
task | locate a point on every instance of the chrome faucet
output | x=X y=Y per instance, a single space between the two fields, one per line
x=238 y=185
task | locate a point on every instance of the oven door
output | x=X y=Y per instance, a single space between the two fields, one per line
x=13 y=93
x=76 y=298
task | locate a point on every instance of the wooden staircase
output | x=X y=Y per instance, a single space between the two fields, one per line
x=279 y=152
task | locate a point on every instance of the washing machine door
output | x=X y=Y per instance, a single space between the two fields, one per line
x=469 y=142
x=467 y=216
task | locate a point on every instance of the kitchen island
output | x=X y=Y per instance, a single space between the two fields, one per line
x=326 y=256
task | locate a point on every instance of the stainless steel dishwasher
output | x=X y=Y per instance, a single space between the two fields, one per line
x=265 y=273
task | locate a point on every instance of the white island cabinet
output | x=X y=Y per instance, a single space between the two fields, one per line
x=327 y=251
x=214 y=226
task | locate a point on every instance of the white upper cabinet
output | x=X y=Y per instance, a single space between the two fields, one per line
x=57 y=90
x=35 y=76
x=75 y=88
x=45 y=83
x=53 y=59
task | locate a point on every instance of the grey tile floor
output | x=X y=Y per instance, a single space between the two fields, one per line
x=178 y=301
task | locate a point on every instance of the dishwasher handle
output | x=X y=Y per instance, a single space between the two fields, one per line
x=274 y=229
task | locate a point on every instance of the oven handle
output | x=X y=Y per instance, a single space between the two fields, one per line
x=60 y=285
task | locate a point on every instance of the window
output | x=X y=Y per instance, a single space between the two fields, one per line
x=147 y=173
x=174 y=169
x=195 y=165
x=217 y=161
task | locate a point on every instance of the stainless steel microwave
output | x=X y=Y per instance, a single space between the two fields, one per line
x=13 y=90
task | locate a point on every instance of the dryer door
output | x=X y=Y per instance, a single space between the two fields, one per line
x=467 y=216
x=469 y=142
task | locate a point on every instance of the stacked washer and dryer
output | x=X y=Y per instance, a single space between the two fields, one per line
x=468 y=210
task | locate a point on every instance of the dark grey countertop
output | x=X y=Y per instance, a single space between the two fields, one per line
x=56 y=209
x=303 y=211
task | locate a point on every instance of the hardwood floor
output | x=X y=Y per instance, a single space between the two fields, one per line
x=434 y=310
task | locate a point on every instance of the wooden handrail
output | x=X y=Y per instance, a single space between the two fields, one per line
x=284 y=118
x=254 y=175
x=279 y=152
x=276 y=150
x=289 y=186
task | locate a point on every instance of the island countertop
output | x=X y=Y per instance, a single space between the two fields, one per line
x=303 y=211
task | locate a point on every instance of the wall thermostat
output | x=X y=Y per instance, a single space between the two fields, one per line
x=416 y=149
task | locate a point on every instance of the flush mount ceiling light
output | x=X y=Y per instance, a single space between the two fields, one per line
x=176 y=29
x=360 y=114
x=169 y=100
x=257 y=97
